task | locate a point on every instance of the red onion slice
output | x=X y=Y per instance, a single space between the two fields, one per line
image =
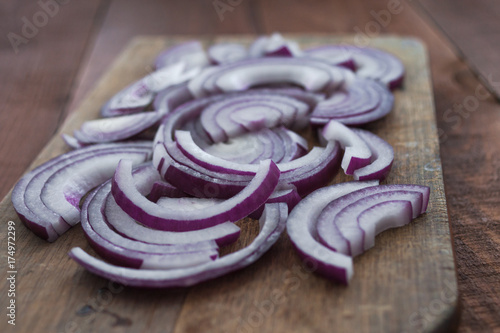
x=274 y=46
x=226 y=53
x=223 y=234
x=185 y=115
x=251 y=148
x=132 y=99
x=280 y=145
x=272 y=225
x=144 y=211
x=359 y=102
x=26 y=196
x=337 y=226
x=301 y=228
x=164 y=189
x=217 y=167
x=323 y=53
x=370 y=63
x=131 y=253
x=236 y=115
x=136 y=97
x=72 y=142
x=170 y=98
x=356 y=151
x=381 y=217
x=191 y=53
x=307 y=73
x=115 y=128
x=285 y=193
x=307 y=173
x=381 y=160
x=64 y=189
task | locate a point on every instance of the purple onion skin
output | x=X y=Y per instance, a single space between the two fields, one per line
x=356 y=163
x=398 y=83
x=380 y=175
x=35 y=228
x=200 y=188
x=283 y=51
x=172 y=224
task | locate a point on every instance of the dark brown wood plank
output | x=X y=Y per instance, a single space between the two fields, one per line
x=37 y=79
x=472 y=26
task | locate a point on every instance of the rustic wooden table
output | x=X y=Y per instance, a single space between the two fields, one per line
x=47 y=69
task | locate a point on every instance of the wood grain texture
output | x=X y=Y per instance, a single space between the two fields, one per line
x=410 y=269
x=474 y=30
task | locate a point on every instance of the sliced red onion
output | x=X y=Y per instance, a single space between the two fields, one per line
x=63 y=190
x=236 y=115
x=356 y=151
x=26 y=194
x=139 y=95
x=381 y=160
x=226 y=53
x=132 y=99
x=203 y=161
x=223 y=234
x=115 y=128
x=381 y=217
x=317 y=173
x=370 y=63
x=151 y=214
x=295 y=145
x=250 y=148
x=272 y=224
x=164 y=189
x=301 y=228
x=190 y=53
x=279 y=144
x=335 y=58
x=310 y=74
x=308 y=97
x=72 y=142
x=285 y=193
x=184 y=117
x=144 y=180
x=200 y=185
x=170 y=98
x=361 y=101
x=307 y=173
x=274 y=45
x=337 y=226
x=131 y=253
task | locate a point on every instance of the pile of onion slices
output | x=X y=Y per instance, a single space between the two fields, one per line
x=217 y=135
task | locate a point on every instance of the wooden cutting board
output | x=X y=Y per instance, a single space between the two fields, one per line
x=406 y=283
